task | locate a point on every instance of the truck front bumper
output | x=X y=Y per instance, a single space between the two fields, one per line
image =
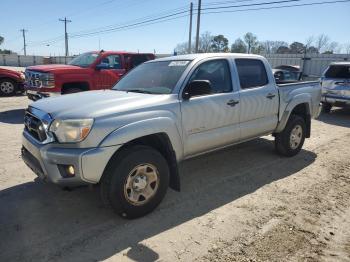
x=336 y=100
x=49 y=162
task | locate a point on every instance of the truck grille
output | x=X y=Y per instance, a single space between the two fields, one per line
x=33 y=79
x=34 y=126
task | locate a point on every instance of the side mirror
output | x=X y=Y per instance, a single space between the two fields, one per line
x=102 y=66
x=197 y=88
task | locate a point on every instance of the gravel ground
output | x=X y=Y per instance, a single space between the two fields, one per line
x=244 y=203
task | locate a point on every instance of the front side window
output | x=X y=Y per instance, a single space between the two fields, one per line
x=217 y=72
x=251 y=72
x=112 y=62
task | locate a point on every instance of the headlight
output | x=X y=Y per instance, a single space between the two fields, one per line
x=22 y=75
x=48 y=80
x=71 y=130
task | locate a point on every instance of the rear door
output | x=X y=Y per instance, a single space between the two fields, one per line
x=113 y=70
x=258 y=98
x=212 y=120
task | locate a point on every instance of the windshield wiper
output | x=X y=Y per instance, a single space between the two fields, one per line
x=139 y=91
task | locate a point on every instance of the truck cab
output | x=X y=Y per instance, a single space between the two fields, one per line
x=88 y=71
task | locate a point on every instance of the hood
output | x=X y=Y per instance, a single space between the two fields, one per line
x=94 y=104
x=52 y=68
x=9 y=71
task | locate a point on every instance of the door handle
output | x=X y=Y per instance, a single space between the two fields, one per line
x=232 y=102
x=270 y=96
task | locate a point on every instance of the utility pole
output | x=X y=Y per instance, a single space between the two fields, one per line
x=198 y=23
x=190 y=32
x=24 y=41
x=65 y=33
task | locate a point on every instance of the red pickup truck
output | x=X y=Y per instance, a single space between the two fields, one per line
x=89 y=71
x=11 y=82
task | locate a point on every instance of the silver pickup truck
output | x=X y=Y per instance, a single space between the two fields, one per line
x=336 y=86
x=130 y=140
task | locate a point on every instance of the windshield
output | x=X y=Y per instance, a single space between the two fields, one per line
x=153 y=78
x=338 y=71
x=84 y=60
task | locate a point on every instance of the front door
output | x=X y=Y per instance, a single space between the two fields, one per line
x=112 y=70
x=211 y=121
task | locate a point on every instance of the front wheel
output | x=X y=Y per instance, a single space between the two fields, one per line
x=135 y=181
x=290 y=141
x=7 y=87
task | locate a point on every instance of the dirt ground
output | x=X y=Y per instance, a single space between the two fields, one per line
x=244 y=203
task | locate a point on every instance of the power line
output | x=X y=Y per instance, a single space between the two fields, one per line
x=225 y=2
x=115 y=27
x=150 y=20
x=130 y=25
x=277 y=7
x=160 y=15
x=246 y=5
x=137 y=26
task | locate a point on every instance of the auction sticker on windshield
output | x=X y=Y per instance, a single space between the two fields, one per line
x=178 y=63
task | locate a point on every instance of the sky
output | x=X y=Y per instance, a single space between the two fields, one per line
x=40 y=18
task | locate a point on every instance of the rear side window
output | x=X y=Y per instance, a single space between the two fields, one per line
x=251 y=73
x=338 y=71
x=138 y=59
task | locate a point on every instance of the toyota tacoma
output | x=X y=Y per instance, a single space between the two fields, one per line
x=130 y=140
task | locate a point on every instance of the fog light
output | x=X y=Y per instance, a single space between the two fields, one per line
x=70 y=170
x=66 y=171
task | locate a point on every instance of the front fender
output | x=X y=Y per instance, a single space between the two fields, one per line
x=296 y=100
x=146 y=127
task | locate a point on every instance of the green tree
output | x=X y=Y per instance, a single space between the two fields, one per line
x=219 y=44
x=251 y=41
x=283 y=50
x=258 y=49
x=239 y=46
x=297 y=48
x=1 y=39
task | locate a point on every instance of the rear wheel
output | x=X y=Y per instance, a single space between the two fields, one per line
x=135 y=181
x=326 y=107
x=290 y=141
x=7 y=87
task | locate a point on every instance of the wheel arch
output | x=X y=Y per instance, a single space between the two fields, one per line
x=302 y=108
x=160 y=142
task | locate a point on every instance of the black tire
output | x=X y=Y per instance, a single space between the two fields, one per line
x=283 y=139
x=72 y=90
x=112 y=186
x=326 y=107
x=8 y=87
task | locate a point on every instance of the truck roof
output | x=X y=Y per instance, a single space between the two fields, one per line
x=340 y=63
x=108 y=52
x=207 y=55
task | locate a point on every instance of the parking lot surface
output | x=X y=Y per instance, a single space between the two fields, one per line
x=244 y=203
